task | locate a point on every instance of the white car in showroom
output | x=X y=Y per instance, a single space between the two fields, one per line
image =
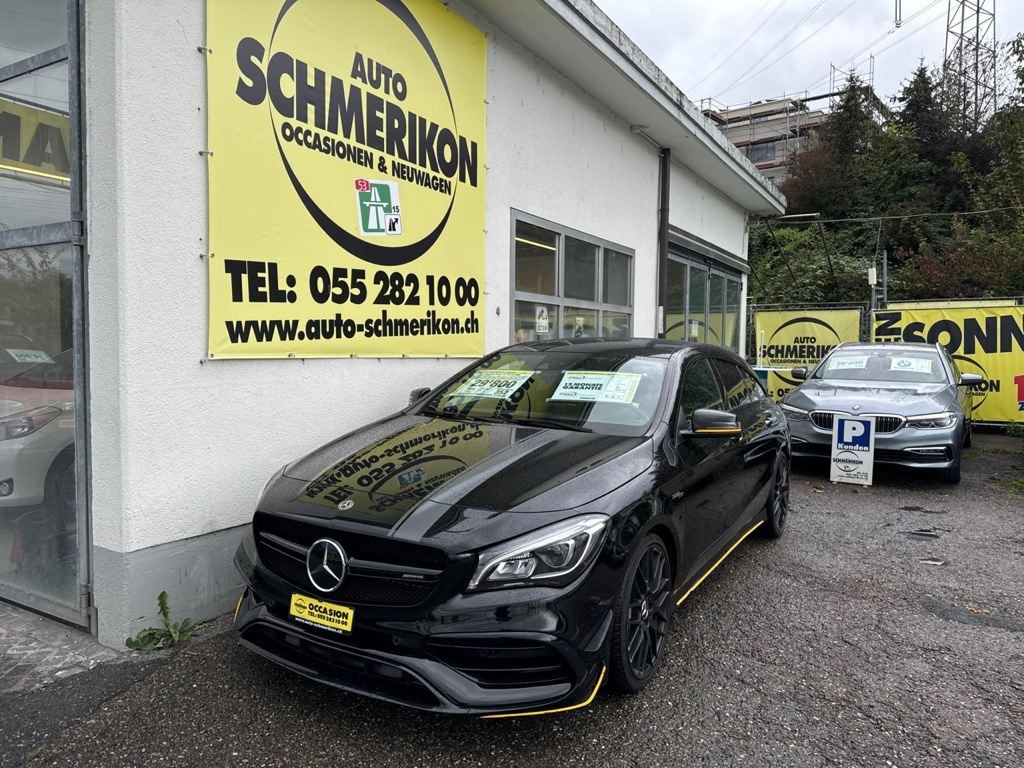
x=37 y=429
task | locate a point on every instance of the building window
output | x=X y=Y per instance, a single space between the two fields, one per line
x=568 y=284
x=761 y=153
x=703 y=302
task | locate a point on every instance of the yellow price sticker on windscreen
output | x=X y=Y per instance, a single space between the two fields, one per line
x=495 y=384
x=308 y=610
x=597 y=387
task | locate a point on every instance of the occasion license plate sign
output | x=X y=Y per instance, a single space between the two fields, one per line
x=853 y=449
x=307 y=610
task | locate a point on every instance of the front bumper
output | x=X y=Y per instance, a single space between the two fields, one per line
x=906 y=447
x=500 y=653
x=24 y=462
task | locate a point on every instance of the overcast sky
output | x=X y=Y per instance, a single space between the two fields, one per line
x=738 y=51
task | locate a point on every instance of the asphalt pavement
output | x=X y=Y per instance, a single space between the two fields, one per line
x=886 y=628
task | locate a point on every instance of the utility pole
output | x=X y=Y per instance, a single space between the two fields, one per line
x=885 y=279
x=969 y=65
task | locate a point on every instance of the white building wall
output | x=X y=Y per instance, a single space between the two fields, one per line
x=700 y=209
x=180 y=446
x=555 y=153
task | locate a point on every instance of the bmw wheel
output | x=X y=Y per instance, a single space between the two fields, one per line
x=642 y=614
x=777 y=507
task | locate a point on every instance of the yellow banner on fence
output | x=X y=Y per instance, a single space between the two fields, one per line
x=34 y=140
x=346 y=174
x=985 y=340
x=795 y=338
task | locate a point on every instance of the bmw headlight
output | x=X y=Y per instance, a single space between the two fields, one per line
x=794 y=414
x=933 y=420
x=551 y=556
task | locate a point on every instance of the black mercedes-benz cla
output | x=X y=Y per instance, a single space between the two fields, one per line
x=519 y=535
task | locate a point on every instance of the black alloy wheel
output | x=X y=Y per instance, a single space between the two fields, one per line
x=643 y=611
x=777 y=508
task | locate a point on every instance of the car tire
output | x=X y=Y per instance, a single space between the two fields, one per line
x=967 y=435
x=952 y=473
x=59 y=490
x=776 y=508
x=642 y=615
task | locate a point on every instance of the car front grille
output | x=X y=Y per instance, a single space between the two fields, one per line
x=884 y=424
x=502 y=662
x=399 y=573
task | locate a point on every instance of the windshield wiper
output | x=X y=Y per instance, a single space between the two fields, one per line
x=455 y=415
x=548 y=423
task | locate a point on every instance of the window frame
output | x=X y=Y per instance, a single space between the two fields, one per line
x=690 y=261
x=70 y=232
x=560 y=300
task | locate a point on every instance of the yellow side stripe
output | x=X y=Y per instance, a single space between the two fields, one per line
x=718 y=562
x=586 y=703
x=238 y=606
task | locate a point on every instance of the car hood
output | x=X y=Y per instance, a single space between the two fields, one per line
x=423 y=477
x=871 y=397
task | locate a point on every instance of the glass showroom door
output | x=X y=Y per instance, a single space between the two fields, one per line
x=43 y=537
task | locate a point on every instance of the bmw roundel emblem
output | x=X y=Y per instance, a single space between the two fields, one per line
x=346 y=504
x=326 y=564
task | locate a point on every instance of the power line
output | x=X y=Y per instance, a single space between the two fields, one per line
x=877 y=40
x=707 y=62
x=811 y=217
x=776 y=60
x=739 y=47
x=910 y=34
x=774 y=45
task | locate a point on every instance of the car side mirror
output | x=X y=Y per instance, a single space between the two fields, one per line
x=418 y=394
x=799 y=373
x=970 y=380
x=708 y=422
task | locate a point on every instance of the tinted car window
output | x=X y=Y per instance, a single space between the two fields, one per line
x=699 y=390
x=740 y=388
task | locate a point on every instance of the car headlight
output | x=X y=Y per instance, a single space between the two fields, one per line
x=932 y=420
x=27 y=422
x=551 y=556
x=794 y=414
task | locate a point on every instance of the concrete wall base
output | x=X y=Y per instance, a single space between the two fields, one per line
x=197 y=573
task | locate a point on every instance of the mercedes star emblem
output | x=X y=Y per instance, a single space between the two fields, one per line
x=346 y=504
x=326 y=564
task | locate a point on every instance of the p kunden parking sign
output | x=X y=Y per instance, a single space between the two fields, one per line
x=853 y=449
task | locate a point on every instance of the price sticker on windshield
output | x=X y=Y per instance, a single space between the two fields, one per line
x=848 y=362
x=29 y=355
x=914 y=364
x=496 y=384
x=597 y=387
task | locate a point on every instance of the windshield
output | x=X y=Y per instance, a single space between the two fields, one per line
x=611 y=393
x=55 y=373
x=914 y=366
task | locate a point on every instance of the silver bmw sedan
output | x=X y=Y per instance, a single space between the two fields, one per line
x=919 y=398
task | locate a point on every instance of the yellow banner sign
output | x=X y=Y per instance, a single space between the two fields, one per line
x=346 y=179
x=34 y=140
x=988 y=341
x=797 y=338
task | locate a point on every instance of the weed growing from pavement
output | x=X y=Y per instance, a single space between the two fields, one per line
x=167 y=636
